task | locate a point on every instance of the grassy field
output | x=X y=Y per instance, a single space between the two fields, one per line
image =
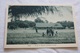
x=29 y=36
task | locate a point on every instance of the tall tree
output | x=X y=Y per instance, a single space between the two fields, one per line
x=38 y=20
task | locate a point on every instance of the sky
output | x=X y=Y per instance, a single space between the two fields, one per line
x=64 y=14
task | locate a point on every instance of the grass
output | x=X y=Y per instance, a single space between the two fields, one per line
x=29 y=36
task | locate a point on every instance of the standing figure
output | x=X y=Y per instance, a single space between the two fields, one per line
x=36 y=29
x=48 y=31
x=52 y=31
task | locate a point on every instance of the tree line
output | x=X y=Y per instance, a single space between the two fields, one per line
x=27 y=24
x=68 y=24
x=20 y=24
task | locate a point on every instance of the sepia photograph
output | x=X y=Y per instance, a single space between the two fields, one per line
x=41 y=25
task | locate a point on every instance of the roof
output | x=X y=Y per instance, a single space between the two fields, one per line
x=48 y=25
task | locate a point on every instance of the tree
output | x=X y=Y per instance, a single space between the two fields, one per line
x=65 y=24
x=70 y=24
x=46 y=21
x=17 y=11
x=38 y=20
x=30 y=23
x=12 y=25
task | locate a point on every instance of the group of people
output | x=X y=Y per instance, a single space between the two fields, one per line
x=49 y=32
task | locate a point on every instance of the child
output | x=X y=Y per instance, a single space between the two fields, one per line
x=56 y=33
x=43 y=34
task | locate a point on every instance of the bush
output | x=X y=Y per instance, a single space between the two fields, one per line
x=12 y=25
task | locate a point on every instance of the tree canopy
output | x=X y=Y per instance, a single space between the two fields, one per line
x=30 y=10
x=38 y=20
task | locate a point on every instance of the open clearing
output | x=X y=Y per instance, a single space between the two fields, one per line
x=29 y=36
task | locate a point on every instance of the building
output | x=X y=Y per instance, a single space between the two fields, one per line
x=45 y=25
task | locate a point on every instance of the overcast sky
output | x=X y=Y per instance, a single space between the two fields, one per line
x=64 y=14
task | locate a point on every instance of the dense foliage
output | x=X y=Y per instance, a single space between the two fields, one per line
x=68 y=24
x=20 y=24
x=18 y=11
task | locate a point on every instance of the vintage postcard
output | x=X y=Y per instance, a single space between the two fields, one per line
x=40 y=26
